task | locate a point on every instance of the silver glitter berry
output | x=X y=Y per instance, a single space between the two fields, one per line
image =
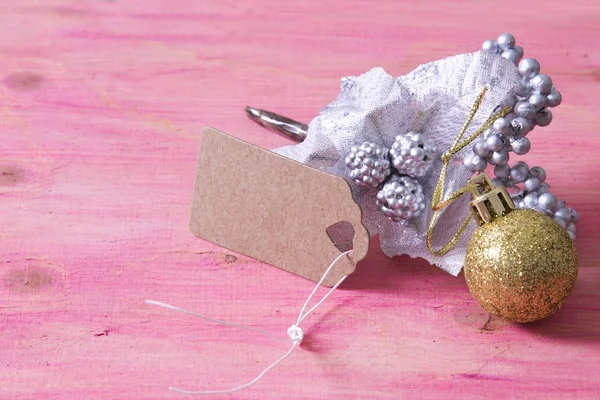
x=499 y=157
x=368 y=163
x=544 y=188
x=520 y=145
x=538 y=172
x=521 y=126
x=506 y=41
x=401 y=199
x=543 y=117
x=523 y=88
x=480 y=148
x=478 y=163
x=412 y=154
x=554 y=98
x=519 y=171
x=490 y=46
x=502 y=171
x=541 y=83
x=529 y=67
x=495 y=142
x=525 y=109
x=538 y=100
x=501 y=125
x=531 y=184
x=548 y=201
x=519 y=51
x=511 y=55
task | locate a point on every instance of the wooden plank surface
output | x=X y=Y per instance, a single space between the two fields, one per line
x=101 y=106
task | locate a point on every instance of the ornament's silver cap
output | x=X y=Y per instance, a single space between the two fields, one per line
x=489 y=201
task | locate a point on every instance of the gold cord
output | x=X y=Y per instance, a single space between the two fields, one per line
x=436 y=203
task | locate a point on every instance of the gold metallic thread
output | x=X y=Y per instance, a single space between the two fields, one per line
x=436 y=202
x=521 y=266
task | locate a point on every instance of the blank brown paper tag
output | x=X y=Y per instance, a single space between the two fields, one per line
x=274 y=209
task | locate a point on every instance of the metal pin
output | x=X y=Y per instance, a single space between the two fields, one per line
x=278 y=123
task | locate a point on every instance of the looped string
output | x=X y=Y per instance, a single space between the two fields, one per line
x=437 y=204
x=295 y=333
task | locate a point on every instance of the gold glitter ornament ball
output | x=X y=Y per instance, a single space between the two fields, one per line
x=522 y=266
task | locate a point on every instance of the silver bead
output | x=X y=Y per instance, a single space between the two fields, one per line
x=518 y=172
x=574 y=215
x=490 y=46
x=548 y=201
x=412 y=154
x=511 y=55
x=538 y=100
x=523 y=88
x=541 y=83
x=502 y=171
x=538 y=172
x=497 y=182
x=520 y=145
x=368 y=163
x=495 y=142
x=499 y=157
x=468 y=160
x=544 y=188
x=554 y=98
x=525 y=109
x=529 y=67
x=519 y=51
x=531 y=184
x=506 y=41
x=480 y=148
x=501 y=125
x=478 y=163
x=487 y=133
x=508 y=101
x=530 y=201
x=401 y=198
x=543 y=117
x=563 y=214
x=521 y=126
x=561 y=222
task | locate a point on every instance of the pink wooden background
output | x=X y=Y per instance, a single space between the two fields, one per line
x=101 y=105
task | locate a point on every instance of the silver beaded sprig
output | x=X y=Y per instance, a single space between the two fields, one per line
x=504 y=46
x=529 y=100
x=534 y=193
x=401 y=198
x=412 y=154
x=369 y=164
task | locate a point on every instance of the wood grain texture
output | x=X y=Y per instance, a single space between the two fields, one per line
x=101 y=106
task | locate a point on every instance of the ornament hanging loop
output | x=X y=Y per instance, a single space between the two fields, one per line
x=489 y=202
x=437 y=204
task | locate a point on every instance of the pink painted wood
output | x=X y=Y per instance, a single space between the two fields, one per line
x=101 y=105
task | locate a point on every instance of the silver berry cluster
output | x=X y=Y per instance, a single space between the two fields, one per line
x=504 y=46
x=412 y=154
x=534 y=193
x=401 y=198
x=529 y=100
x=369 y=164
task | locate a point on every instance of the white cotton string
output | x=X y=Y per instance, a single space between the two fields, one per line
x=294 y=332
x=216 y=321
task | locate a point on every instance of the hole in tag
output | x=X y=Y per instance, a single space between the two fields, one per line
x=341 y=235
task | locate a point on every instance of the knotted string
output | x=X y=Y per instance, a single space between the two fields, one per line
x=295 y=333
x=436 y=203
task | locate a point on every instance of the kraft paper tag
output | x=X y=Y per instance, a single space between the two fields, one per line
x=274 y=209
